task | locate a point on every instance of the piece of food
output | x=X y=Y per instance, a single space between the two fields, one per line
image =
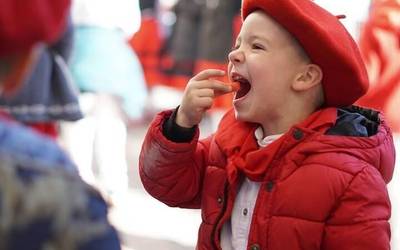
x=235 y=86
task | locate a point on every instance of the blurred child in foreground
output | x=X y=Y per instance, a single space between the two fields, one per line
x=44 y=203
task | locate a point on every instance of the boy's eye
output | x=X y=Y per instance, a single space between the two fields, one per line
x=257 y=46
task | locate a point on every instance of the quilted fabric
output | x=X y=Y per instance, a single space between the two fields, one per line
x=321 y=189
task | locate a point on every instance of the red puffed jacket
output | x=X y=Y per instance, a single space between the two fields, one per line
x=323 y=187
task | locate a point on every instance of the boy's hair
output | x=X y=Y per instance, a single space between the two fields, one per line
x=300 y=50
x=327 y=43
x=316 y=98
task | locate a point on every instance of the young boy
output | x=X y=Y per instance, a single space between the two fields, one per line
x=293 y=165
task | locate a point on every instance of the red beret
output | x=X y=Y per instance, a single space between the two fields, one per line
x=327 y=43
x=26 y=22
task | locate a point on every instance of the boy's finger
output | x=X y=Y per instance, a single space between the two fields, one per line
x=222 y=87
x=208 y=73
x=205 y=93
x=215 y=85
x=205 y=102
x=233 y=87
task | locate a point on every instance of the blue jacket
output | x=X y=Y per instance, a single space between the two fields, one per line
x=43 y=200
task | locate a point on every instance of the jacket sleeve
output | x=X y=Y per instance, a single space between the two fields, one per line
x=172 y=172
x=360 y=219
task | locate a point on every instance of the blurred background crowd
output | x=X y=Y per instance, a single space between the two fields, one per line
x=119 y=62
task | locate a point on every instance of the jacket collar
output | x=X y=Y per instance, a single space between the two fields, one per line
x=231 y=133
x=237 y=141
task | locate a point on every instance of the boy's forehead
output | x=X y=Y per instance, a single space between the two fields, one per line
x=259 y=24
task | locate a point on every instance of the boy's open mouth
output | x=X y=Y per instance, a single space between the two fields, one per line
x=245 y=85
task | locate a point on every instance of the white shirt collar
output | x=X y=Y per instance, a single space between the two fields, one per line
x=264 y=141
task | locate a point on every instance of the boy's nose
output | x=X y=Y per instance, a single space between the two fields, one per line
x=236 y=56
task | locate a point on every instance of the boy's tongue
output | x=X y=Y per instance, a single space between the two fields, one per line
x=243 y=90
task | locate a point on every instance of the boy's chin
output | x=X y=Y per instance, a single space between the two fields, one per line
x=240 y=116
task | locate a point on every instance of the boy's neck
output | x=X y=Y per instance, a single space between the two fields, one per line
x=283 y=122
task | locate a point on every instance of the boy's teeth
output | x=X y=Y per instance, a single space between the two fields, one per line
x=237 y=78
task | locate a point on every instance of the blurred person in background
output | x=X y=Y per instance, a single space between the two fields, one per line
x=147 y=42
x=44 y=203
x=113 y=90
x=201 y=38
x=215 y=41
x=380 y=47
x=48 y=94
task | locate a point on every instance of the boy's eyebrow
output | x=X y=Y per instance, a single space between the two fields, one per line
x=253 y=37
x=257 y=37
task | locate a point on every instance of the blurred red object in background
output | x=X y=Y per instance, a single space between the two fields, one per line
x=380 y=48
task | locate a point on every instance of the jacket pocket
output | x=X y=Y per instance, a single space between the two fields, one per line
x=212 y=200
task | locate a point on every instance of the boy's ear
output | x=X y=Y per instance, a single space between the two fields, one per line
x=308 y=78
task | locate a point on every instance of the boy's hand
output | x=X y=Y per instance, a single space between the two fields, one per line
x=199 y=96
